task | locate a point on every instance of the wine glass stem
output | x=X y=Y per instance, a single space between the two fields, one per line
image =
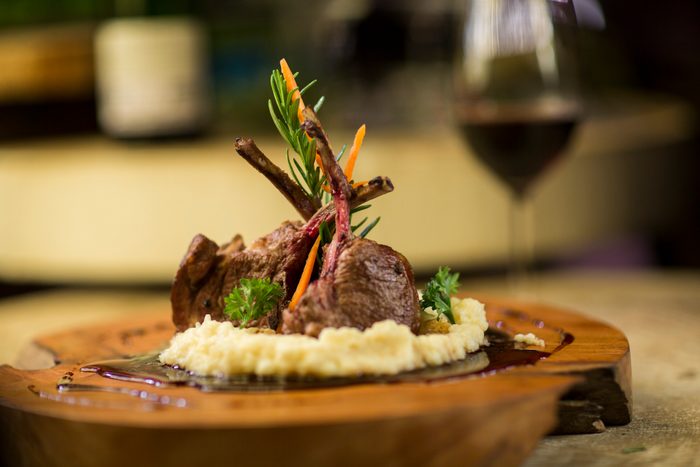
x=521 y=242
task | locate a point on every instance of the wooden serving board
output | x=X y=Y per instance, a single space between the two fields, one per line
x=493 y=419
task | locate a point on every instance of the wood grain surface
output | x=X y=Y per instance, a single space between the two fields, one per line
x=484 y=420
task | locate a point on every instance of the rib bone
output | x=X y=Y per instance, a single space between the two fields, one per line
x=376 y=187
x=334 y=173
x=340 y=189
x=247 y=148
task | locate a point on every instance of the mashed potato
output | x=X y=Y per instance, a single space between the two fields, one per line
x=219 y=348
x=529 y=339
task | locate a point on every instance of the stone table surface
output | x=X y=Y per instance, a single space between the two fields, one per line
x=660 y=314
x=658 y=311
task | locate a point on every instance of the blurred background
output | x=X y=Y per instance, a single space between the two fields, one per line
x=117 y=121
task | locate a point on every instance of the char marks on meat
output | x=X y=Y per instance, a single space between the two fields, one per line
x=361 y=281
x=371 y=283
x=208 y=272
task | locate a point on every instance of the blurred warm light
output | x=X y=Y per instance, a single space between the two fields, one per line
x=81 y=205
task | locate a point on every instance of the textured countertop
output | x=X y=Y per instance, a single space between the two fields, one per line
x=660 y=314
x=658 y=311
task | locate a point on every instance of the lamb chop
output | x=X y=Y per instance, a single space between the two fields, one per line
x=361 y=282
x=208 y=272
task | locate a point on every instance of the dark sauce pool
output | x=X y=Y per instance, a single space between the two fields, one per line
x=501 y=354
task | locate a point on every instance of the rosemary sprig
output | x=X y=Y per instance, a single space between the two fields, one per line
x=284 y=110
x=360 y=208
x=369 y=228
x=284 y=113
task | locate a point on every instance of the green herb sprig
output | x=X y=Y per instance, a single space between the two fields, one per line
x=252 y=299
x=367 y=229
x=284 y=113
x=438 y=291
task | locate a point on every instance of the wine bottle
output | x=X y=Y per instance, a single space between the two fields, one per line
x=151 y=74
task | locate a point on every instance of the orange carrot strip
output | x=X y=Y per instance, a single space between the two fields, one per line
x=305 y=275
x=327 y=189
x=320 y=165
x=325 y=186
x=291 y=84
x=354 y=151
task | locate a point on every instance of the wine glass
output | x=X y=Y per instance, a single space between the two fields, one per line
x=516 y=100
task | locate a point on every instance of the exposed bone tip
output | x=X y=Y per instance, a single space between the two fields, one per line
x=242 y=141
x=382 y=183
x=311 y=128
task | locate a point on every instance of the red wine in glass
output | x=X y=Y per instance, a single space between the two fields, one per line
x=517 y=145
x=516 y=99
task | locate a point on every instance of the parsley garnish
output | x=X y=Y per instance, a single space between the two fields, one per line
x=438 y=291
x=252 y=299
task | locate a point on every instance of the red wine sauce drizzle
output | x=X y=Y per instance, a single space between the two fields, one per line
x=501 y=354
x=565 y=338
x=149 y=400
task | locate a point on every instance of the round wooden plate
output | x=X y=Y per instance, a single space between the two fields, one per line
x=493 y=419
